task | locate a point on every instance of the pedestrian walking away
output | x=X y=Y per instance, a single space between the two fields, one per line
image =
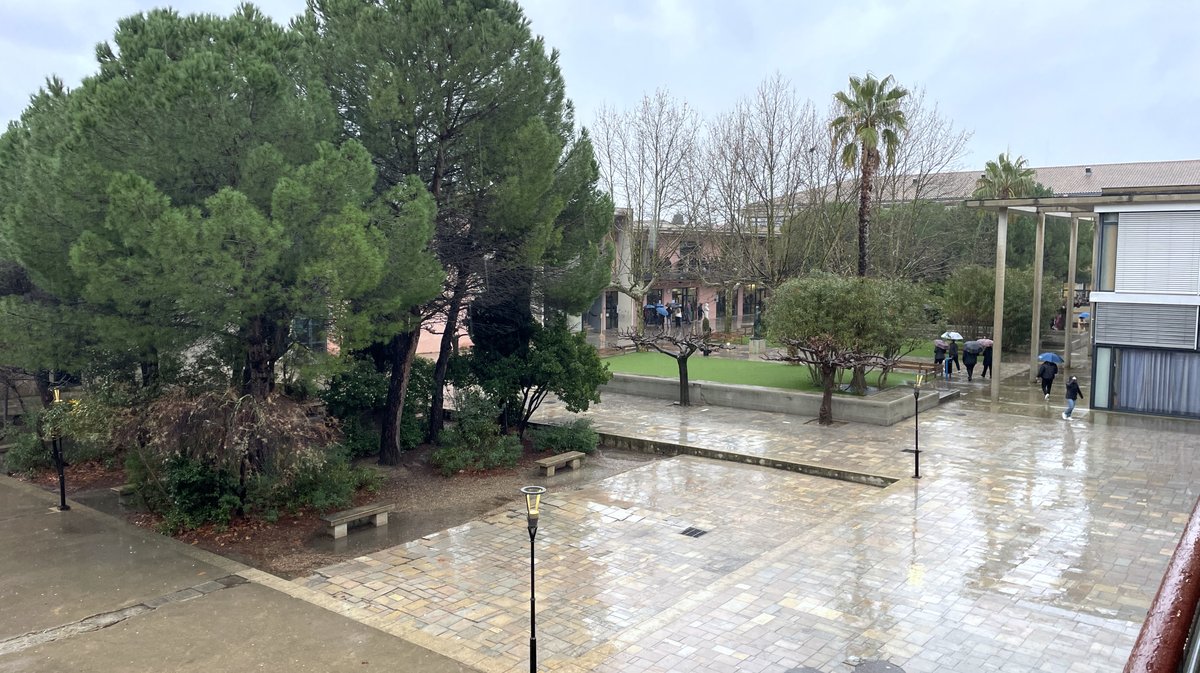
x=970 y=358
x=987 y=362
x=953 y=355
x=1073 y=394
x=1046 y=372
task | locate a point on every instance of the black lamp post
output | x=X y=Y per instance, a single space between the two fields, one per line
x=59 y=462
x=916 y=450
x=533 y=498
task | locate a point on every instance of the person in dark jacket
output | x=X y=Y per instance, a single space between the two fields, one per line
x=939 y=356
x=987 y=362
x=1046 y=372
x=953 y=355
x=1073 y=394
x=969 y=359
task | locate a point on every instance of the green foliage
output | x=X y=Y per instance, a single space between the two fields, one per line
x=969 y=301
x=28 y=453
x=330 y=485
x=869 y=315
x=195 y=493
x=474 y=441
x=356 y=389
x=577 y=435
x=359 y=437
x=557 y=360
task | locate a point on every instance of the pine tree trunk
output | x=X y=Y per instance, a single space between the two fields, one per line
x=437 y=403
x=401 y=351
x=685 y=399
x=265 y=338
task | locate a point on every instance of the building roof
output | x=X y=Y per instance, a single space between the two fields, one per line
x=1090 y=179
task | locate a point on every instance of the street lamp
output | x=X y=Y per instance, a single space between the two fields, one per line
x=59 y=462
x=916 y=450
x=533 y=498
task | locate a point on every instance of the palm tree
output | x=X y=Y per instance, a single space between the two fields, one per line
x=870 y=113
x=1005 y=179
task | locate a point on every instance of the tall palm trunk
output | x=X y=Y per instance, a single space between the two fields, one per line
x=870 y=161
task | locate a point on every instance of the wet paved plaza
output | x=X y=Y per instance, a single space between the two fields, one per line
x=1030 y=544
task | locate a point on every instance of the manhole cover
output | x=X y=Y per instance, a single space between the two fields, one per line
x=692 y=532
x=877 y=667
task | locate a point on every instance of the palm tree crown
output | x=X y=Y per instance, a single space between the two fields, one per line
x=1005 y=179
x=871 y=113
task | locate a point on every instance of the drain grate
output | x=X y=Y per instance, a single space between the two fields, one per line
x=692 y=532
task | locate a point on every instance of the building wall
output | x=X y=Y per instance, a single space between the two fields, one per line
x=1146 y=310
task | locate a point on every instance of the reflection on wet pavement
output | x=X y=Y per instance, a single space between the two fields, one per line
x=1030 y=543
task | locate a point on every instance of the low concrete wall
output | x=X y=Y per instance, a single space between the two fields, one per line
x=883 y=408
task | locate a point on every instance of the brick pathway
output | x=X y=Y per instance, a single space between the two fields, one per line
x=1029 y=544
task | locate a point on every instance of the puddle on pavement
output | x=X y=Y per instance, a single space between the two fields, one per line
x=402 y=527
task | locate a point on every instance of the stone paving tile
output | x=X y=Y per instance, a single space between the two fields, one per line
x=1030 y=543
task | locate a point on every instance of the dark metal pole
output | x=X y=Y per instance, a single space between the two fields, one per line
x=532 y=605
x=916 y=433
x=56 y=447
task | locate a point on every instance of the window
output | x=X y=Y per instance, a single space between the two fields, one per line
x=1107 y=277
x=310 y=333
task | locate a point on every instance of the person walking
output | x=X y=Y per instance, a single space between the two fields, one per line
x=952 y=354
x=1073 y=394
x=939 y=356
x=970 y=358
x=947 y=367
x=1046 y=372
x=987 y=362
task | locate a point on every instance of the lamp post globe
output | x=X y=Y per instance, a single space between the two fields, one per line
x=533 y=500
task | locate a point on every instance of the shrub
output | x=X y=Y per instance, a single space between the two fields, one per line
x=355 y=390
x=359 y=437
x=474 y=441
x=577 y=435
x=327 y=486
x=197 y=493
x=28 y=453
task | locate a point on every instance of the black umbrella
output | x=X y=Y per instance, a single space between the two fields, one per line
x=973 y=347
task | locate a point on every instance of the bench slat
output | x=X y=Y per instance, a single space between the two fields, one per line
x=560 y=459
x=359 y=513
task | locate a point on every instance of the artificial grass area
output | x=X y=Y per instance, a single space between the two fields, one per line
x=727 y=370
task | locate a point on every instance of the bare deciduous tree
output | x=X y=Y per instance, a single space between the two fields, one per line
x=646 y=156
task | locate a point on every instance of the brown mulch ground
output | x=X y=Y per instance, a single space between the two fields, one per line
x=296 y=544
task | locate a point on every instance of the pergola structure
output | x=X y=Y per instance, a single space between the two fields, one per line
x=1075 y=208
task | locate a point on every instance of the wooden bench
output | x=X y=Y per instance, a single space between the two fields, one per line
x=925 y=370
x=340 y=521
x=572 y=458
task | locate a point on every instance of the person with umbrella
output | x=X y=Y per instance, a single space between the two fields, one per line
x=970 y=357
x=1047 y=371
x=952 y=353
x=987 y=356
x=939 y=352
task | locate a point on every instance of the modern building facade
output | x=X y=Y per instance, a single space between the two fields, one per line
x=1146 y=306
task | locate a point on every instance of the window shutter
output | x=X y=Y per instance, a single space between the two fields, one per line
x=1158 y=325
x=1158 y=252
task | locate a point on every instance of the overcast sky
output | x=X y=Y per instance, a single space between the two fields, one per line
x=1059 y=81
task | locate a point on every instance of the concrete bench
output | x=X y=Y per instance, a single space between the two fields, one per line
x=122 y=491
x=340 y=521
x=572 y=458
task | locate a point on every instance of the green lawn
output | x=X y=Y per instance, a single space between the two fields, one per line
x=724 y=370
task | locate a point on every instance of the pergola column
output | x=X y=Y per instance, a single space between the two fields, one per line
x=1070 y=318
x=1039 y=255
x=998 y=310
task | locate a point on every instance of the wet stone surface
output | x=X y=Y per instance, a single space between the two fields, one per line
x=1030 y=543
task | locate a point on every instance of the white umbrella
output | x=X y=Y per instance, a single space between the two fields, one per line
x=953 y=336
